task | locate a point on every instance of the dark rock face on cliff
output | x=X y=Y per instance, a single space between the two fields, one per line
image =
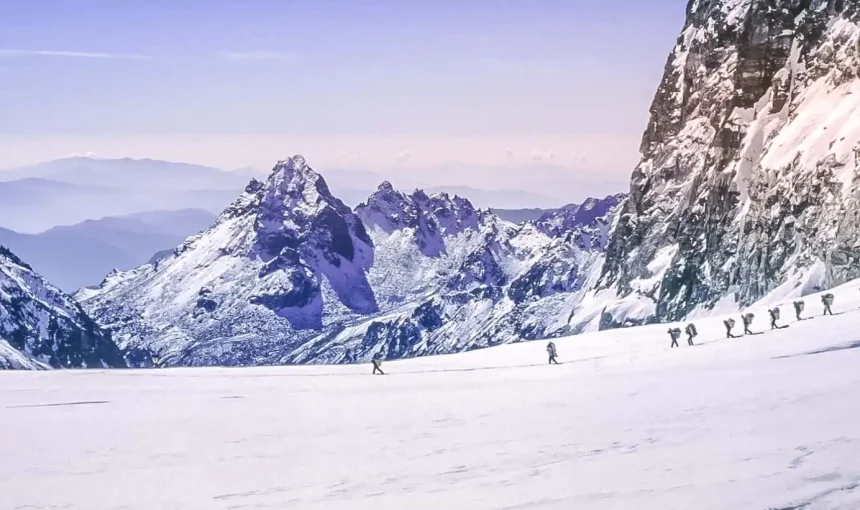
x=748 y=183
x=40 y=327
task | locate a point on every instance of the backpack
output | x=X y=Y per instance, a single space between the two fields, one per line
x=730 y=323
x=775 y=313
x=748 y=318
x=827 y=299
x=691 y=330
x=798 y=305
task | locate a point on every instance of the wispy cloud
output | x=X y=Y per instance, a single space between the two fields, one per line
x=17 y=53
x=271 y=56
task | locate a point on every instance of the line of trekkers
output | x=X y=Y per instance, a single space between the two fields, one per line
x=692 y=333
x=747 y=319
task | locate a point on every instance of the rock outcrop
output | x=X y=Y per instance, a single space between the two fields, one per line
x=748 y=184
x=41 y=327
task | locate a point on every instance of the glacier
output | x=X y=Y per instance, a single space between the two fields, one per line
x=765 y=421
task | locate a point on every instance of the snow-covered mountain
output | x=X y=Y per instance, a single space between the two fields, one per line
x=289 y=274
x=748 y=183
x=40 y=327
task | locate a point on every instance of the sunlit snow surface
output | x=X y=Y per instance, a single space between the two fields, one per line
x=768 y=421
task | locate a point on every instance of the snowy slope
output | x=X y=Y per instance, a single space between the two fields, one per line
x=748 y=181
x=289 y=274
x=450 y=278
x=40 y=327
x=763 y=422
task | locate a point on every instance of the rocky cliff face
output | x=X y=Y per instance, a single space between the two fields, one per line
x=40 y=327
x=288 y=274
x=748 y=183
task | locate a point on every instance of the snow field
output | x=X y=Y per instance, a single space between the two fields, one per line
x=768 y=421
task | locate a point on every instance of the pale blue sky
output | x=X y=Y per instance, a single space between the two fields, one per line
x=363 y=83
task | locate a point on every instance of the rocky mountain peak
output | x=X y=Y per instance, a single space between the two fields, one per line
x=588 y=218
x=40 y=326
x=428 y=217
x=294 y=182
x=290 y=274
x=452 y=215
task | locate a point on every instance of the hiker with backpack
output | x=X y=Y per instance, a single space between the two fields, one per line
x=377 y=364
x=774 y=316
x=798 y=309
x=691 y=333
x=747 y=320
x=674 y=334
x=550 y=349
x=827 y=301
x=730 y=324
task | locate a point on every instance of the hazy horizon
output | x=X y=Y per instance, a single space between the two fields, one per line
x=351 y=86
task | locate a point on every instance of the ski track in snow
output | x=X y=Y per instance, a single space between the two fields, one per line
x=763 y=422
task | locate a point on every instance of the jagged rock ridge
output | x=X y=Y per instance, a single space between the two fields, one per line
x=40 y=327
x=288 y=274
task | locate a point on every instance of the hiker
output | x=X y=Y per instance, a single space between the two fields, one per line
x=377 y=364
x=674 y=334
x=730 y=324
x=827 y=300
x=798 y=309
x=774 y=316
x=550 y=349
x=691 y=333
x=349 y=356
x=747 y=319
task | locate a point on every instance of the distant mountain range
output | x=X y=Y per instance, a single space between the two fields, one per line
x=72 y=190
x=75 y=256
x=129 y=173
x=69 y=191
